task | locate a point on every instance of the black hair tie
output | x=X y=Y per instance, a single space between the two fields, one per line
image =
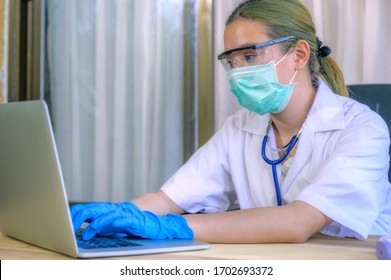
x=323 y=51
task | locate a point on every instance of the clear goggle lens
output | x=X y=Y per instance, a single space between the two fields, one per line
x=258 y=54
x=247 y=57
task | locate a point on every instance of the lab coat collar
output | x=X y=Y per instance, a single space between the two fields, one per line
x=325 y=114
x=327 y=111
x=257 y=124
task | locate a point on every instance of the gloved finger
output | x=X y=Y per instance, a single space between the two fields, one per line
x=126 y=220
x=88 y=233
x=100 y=224
x=122 y=225
x=75 y=209
x=108 y=231
x=89 y=211
x=76 y=214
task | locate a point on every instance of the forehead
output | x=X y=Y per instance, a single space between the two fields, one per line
x=243 y=32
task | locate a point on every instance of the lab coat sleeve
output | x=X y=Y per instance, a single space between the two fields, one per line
x=203 y=184
x=351 y=184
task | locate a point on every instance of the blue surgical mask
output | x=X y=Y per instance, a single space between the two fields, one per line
x=257 y=88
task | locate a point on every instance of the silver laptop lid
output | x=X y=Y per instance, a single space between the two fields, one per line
x=33 y=202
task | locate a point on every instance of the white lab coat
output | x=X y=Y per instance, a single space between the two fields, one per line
x=340 y=167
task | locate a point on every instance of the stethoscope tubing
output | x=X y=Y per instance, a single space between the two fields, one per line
x=275 y=162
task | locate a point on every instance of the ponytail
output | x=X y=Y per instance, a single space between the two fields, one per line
x=328 y=70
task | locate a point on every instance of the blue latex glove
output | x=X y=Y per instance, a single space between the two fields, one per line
x=81 y=213
x=126 y=218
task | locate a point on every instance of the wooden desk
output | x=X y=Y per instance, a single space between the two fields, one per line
x=318 y=247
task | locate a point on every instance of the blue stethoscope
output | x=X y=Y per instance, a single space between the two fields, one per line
x=288 y=148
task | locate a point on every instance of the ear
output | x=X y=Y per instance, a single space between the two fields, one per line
x=302 y=53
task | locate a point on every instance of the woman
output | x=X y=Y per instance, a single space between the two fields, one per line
x=299 y=158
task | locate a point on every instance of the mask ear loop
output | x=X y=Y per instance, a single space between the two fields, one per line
x=283 y=57
x=294 y=75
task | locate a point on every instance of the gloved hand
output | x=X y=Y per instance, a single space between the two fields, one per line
x=81 y=213
x=126 y=218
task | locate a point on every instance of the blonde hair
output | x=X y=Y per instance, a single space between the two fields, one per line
x=291 y=17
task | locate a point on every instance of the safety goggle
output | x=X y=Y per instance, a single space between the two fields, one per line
x=257 y=54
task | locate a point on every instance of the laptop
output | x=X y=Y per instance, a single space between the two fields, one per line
x=33 y=202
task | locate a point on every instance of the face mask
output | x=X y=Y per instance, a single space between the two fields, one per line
x=257 y=88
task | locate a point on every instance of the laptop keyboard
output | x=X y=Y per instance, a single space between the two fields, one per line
x=104 y=242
